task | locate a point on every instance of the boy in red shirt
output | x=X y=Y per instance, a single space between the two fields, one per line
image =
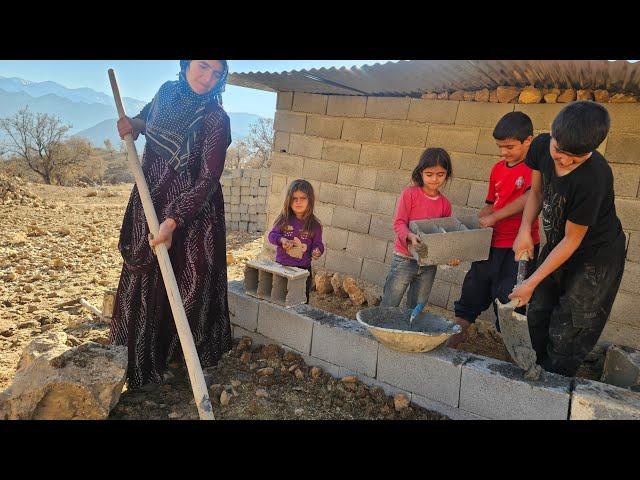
x=509 y=183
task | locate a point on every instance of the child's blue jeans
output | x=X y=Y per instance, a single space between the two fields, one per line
x=404 y=273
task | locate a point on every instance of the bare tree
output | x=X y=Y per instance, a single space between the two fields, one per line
x=36 y=138
x=70 y=157
x=260 y=140
x=237 y=154
x=108 y=146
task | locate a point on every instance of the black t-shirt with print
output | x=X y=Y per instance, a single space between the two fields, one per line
x=583 y=196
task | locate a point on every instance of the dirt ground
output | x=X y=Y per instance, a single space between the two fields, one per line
x=65 y=248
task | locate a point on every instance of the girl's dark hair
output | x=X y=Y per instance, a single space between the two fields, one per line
x=310 y=220
x=432 y=157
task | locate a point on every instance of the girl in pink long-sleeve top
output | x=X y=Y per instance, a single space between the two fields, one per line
x=421 y=201
x=297 y=233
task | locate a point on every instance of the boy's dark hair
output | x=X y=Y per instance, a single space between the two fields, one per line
x=516 y=125
x=432 y=157
x=580 y=127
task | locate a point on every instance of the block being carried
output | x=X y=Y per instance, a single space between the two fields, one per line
x=442 y=239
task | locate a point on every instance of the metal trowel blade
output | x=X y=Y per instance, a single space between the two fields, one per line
x=515 y=334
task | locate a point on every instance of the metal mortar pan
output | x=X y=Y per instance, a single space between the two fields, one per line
x=390 y=325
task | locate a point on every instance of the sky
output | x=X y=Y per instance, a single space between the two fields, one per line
x=141 y=79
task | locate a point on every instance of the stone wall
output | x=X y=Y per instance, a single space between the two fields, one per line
x=358 y=152
x=245 y=197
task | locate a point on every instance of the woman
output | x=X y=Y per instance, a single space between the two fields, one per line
x=187 y=134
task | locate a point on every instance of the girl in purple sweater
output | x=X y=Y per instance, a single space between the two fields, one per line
x=297 y=233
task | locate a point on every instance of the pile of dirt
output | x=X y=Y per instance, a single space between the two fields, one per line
x=268 y=383
x=483 y=339
x=13 y=190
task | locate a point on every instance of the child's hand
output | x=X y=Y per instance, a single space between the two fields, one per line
x=523 y=292
x=413 y=238
x=316 y=253
x=286 y=243
x=454 y=262
x=523 y=243
x=487 y=221
x=486 y=210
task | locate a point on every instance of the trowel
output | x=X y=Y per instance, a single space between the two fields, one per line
x=515 y=329
x=415 y=312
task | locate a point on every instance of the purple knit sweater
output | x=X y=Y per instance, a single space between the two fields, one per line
x=294 y=229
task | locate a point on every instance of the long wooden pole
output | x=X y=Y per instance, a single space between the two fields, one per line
x=194 y=368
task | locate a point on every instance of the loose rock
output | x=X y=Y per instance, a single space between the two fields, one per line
x=264 y=372
x=507 y=94
x=400 y=401
x=262 y=393
x=336 y=283
x=55 y=382
x=568 y=95
x=530 y=95
x=323 y=282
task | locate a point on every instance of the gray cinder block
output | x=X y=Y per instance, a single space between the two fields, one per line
x=286 y=326
x=622 y=367
x=434 y=374
x=251 y=280
x=598 y=401
x=442 y=409
x=497 y=390
x=276 y=283
x=243 y=309
x=452 y=237
x=343 y=342
x=265 y=284
x=256 y=338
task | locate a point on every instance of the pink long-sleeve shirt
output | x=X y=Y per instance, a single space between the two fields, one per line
x=413 y=204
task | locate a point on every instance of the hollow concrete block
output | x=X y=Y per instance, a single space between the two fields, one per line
x=622 y=367
x=276 y=283
x=452 y=237
x=497 y=390
x=598 y=401
x=243 y=309
x=434 y=375
x=343 y=342
x=442 y=409
x=285 y=325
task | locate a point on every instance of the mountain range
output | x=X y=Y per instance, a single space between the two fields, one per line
x=92 y=114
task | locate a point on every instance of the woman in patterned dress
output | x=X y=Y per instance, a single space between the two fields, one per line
x=187 y=134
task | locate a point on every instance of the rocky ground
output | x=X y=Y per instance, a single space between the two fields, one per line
x=59 y=244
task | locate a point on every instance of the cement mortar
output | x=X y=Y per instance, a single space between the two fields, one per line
x=398 y=319
x=513 y=372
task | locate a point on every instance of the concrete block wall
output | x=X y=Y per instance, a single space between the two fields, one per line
x=245 y=194
x=358 y=152
x=455 y=383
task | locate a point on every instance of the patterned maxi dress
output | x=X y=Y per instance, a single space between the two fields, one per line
x=142 y=318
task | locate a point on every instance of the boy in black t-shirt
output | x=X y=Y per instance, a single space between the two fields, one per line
x=580 y=268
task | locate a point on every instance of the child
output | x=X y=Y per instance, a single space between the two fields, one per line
x=420 y=202
x=581 y=266
x=297 y=232
x=509 y=182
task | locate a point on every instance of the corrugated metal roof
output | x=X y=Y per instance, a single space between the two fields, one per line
x=414 y=77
